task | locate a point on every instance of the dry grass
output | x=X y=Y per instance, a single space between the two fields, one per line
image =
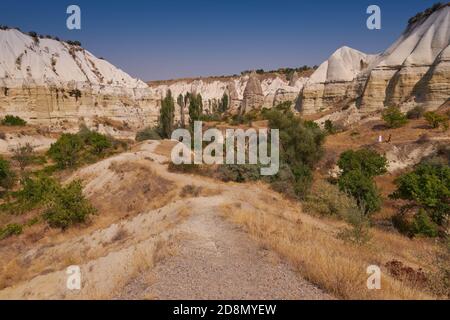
x=313 y=247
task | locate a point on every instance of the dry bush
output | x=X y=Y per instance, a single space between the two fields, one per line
x=190 y=190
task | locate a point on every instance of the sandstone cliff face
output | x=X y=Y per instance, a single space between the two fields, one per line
x=50 y=82
x=335 y=81
x=413 y=71
x=253 y=94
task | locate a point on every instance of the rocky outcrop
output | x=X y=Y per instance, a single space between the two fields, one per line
x=334 y=82
x=413 y=71
x=253 y=95
x=49 y=82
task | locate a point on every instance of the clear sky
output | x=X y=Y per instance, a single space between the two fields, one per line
x=171 y=39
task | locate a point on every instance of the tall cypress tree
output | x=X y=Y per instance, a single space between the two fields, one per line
x=195 y=107
x=167 y=116
x=182 y=104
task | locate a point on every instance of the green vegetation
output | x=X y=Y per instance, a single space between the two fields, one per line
x=68 y=207
x=23 y=155
x=358 y=169
x=436 y=120
x=148 y=133
x=86 y=146
x=223 y=104
x=10 y=120
x=368 y=162
x=426 y=188
x=10 y=230
x=195 y=107
x=167 y=116
x=394 y=118
x=7 y=176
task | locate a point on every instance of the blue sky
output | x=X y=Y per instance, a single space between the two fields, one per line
x=170 y=39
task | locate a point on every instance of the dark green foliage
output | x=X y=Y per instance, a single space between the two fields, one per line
x=394 y=118
x=11 y=120
x=10 y=230
x=148 y=133
x=428 y=186
x=239 y=173
x=7 y=176
x=368 y=162
x=329 y=127
x=86 y=146
x=66 y=150
x=68 y=207
x=362 y=188
x=167 y=116
x=195 y=107
x=423 y=225
x=223 y=104
x=436 y=120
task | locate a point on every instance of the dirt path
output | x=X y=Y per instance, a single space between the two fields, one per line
x=209 y=257
x=216 y=260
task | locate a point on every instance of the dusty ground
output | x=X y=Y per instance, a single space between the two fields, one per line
x=184 y=249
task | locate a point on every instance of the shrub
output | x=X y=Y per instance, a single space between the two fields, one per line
x=436 y=120
x=428 y=186
x=11 y=120
x=148 y=133
x=238 y=172
x=362 y=188
x=66 y=150
x=7 y=176
x=415 y=113
x=329 y=127
x=326 y=199
x=394 y=118
x=23 y=155
x=97 y=142
x=423 y=225
x=369 y=162
x=35 y=191
x=68 y=207
x=10 y=230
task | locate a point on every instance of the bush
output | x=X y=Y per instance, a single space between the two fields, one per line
x=10 y=120
x=10 y=230
x=35 y=191
x=238 y=172
x=436 y=120
x=7 y=176
x=369 y=162
x=362 y=188
x=66 y=150
x=423 y=225
x=68 y=207
x=147 y=134
x=428 y=187
x=326 y=199
x=415 y=113
x=23 y=155
x=86 y=146
x=394 y=118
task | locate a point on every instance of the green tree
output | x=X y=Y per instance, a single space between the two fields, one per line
x=167 y=116
x=66 y=150
x=428 y=186
x=223 y=105
x=11 y=120
x=7 y=176
x=23 y=155
x=394 y=118
x=436 y=120
x=195 y=107
x=362 y=188
x=369 y=162
x=181 y=102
